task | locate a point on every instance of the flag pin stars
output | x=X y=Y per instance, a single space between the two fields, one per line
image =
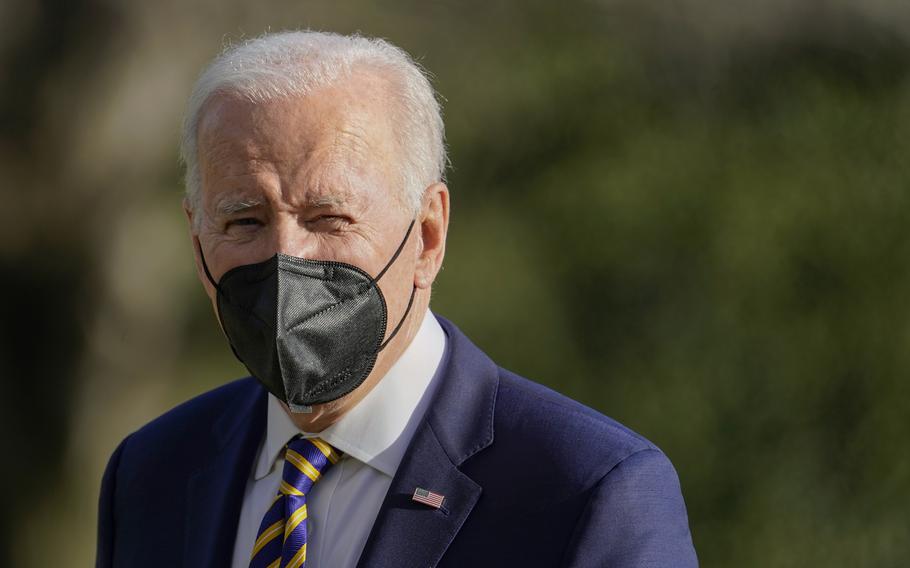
x=426 y=497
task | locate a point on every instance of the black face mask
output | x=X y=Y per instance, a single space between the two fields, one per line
x=309 y=330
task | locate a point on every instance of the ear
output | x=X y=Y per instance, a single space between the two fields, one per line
x=197 y=247
x=434 y=226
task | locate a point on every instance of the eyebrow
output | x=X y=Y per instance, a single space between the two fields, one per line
x=232 y=207
x=321 y=201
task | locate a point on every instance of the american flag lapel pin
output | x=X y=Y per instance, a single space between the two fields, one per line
x=434 y=500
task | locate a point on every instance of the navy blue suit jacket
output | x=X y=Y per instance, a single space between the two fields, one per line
x=530 y=478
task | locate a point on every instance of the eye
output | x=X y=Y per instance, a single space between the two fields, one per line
x=243 y=222
x=328 y=222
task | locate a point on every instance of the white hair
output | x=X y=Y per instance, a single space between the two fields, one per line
x=290 y=64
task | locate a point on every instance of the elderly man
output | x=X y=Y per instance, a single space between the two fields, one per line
x=371 y=433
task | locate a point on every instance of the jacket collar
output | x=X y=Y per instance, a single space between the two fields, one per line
x=461 y=414
x=215 y=492
x=458 y=425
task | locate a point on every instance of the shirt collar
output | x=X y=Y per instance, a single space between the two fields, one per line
x=379 y=428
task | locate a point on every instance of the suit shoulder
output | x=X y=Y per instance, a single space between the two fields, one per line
x=583 y=444
x=565 y=418
x=197 y=418
x=202 y=409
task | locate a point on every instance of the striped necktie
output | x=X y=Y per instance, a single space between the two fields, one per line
x=281 y=541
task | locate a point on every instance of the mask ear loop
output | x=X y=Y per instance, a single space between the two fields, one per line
x=413 y=288
x=397 y=252
x=205 y=267
x=401 y=321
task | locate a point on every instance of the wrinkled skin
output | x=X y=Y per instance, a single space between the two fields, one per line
x=317 y=177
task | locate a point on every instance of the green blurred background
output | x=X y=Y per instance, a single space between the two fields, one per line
x=690 y=215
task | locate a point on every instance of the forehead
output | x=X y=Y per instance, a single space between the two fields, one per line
x=336 y=140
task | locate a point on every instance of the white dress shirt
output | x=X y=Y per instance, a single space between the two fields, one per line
x=373 y=435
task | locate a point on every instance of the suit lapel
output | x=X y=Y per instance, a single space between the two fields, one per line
x=215 y=492
x=458 y=425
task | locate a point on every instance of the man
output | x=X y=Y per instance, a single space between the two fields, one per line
x=372 y=433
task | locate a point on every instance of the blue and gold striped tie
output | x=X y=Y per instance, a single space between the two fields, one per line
x=281 y=541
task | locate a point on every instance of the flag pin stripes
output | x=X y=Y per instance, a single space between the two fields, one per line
x=434 y=500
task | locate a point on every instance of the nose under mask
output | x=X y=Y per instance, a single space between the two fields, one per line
x=309 y=330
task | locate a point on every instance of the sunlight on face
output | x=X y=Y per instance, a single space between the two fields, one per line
x=316 y=177
x=313 y=177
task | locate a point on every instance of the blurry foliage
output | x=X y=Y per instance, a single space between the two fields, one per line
x=699 y=232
